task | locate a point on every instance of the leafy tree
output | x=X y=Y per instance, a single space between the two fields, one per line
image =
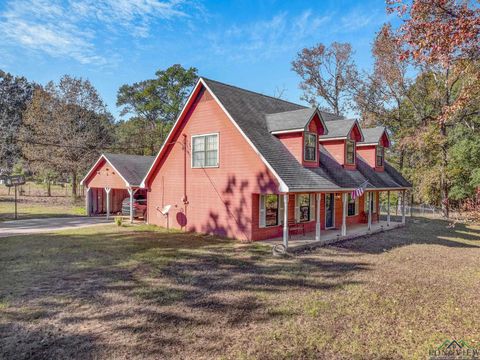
x=424 y=89
x=443 y=37
x=438 y=31
x=15 y=93
x=464 y=168
x=327 y=75
x=66 y=126
x=154 y=105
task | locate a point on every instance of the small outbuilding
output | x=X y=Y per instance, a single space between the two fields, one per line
x=112 y=179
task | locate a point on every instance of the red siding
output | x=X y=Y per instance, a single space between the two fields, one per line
x=219 y=199
x=336 y=148
x=105 y=176
x=368 y=153
x=294 y=143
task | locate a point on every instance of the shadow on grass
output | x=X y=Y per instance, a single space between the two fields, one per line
x=157 y=273
x=418 y=230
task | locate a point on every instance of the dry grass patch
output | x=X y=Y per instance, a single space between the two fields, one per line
x=139 y=292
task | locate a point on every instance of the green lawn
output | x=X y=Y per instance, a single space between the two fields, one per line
x=139 y=292
x=33 y=202
x=37 y=210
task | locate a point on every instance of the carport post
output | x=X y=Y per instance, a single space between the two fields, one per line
x=388 y=208
x=403 y=206
x=87 y=202
x=130 y=192
x=107 y=190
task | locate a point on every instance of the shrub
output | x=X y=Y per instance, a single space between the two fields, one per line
x=118 y=220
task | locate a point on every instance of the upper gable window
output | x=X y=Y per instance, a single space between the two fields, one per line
x=379 y=156
x=350 y=154
x=205 y=151
x=310 y=151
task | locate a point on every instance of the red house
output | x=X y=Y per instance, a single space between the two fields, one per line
x=249 y=166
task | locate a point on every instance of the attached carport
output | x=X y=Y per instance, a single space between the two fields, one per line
x=113 y=178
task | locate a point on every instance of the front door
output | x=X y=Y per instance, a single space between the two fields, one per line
x=329 y=210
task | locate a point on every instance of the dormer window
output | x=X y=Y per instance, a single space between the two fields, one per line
x=310 y=151
x=350 y=153
x=379 y=156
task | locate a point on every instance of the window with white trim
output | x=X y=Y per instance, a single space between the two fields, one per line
x=379 y=155
x=205 y=151
x=304 y=207
x=350 y=152
x=270 y=210
x=310 y=148
x=352 y=206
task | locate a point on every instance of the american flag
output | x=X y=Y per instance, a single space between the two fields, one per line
x=360 y=190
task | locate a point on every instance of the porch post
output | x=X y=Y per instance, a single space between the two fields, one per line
x=130 y=192
x=388 y=208
x=344 y=214
x=403 y=206
x=107 y=190
x=370 y=209
x=87 y=202
x=285 y=220
x=317 y=225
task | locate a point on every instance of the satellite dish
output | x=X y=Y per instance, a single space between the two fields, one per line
x=166 y=209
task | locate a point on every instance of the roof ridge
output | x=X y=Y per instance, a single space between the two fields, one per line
x=283 y=112
x=254 y=92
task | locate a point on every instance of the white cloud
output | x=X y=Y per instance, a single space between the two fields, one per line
x=266 y=38
x=358 y=18
x=69 y=29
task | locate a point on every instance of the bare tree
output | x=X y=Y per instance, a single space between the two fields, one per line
x=279 y=92
x=327 y=74
x=65 y=127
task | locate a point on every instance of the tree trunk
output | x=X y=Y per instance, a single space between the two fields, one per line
x=402 y=157
x=443 y=175
x=49 y=188
x=74 y=184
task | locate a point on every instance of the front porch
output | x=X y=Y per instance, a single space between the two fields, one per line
x=300 y=242
x=303 y=220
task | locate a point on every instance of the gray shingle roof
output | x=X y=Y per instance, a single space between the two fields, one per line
x=289 y=120
x=253 y=114
x=132 y=168
x=372 y=135
x=248 y=109
x=326 y=116
x=338 y=128
x=390 y=178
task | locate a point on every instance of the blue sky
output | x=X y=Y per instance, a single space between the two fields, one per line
x=112 y=42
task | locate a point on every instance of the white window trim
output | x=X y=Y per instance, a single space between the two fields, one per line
x=304 y=145
x=218 y=151
x=354 y=152
x=297 y=208
x=357 y=205
x=263 y=224
x=376 y=155
x=325 y=211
